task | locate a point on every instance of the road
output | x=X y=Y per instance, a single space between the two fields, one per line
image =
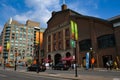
x=12 y=75
x=82 y=72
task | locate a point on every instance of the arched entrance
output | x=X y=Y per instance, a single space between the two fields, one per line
x=57 y=58
x=49 y=57
x=68 y=62
x=68 y=54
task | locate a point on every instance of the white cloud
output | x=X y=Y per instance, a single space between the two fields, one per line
x=40 y=11
x=8 y=8
x=85 y=7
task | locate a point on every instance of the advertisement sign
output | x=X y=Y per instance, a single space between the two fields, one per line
x=87 y=60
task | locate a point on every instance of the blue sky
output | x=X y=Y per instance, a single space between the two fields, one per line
x=40 y=10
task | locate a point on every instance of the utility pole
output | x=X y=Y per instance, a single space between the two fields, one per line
x=74 y=36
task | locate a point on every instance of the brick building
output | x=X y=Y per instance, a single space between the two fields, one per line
x=94 y=33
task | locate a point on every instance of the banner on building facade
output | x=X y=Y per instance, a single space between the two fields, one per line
x=8 y=45
x=87 y=60
x=39 y=38
x=0 y=49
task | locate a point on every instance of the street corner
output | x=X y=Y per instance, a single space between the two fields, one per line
x=116 y=78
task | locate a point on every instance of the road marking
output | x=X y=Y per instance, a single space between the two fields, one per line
x=3 y=75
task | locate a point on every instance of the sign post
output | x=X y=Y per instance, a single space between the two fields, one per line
x=73 y=41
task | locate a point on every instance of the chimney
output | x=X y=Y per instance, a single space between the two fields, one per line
x=53 y=13
x=64 y=7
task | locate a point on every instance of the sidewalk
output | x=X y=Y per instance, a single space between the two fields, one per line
x=98 y=69
x=72 y=77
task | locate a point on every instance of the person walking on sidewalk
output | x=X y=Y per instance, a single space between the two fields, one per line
x=109 y=64
x=92 y=62
x=115 y=65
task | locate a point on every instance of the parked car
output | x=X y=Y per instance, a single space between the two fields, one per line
x=34 y=67
x=21 y=64
x=9 y=65
x=60 y=66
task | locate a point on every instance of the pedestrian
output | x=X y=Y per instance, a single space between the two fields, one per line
x=115 y=65
x=92 y=62
x=109 y=64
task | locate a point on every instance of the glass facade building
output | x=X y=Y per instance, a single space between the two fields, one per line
x=18 y=40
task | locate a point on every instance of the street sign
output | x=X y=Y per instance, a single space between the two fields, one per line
x=72 y=43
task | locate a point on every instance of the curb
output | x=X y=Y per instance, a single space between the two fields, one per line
x=63 y=76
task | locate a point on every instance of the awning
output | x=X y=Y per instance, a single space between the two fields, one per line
x=48 y=60
x=34 y=62
x=67 y=59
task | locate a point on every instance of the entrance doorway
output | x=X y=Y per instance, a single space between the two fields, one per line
x=105 y=59
x=84 y=62
x=57 y=58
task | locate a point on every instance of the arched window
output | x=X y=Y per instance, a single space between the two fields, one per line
x=106 y=41
x=85 y=45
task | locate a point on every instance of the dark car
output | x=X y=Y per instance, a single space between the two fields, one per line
x=34 y=67
x=60 y=66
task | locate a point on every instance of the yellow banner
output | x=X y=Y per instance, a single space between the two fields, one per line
x=8 y=46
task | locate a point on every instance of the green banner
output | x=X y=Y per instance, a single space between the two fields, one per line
x=74 y=30
x=72 y=43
